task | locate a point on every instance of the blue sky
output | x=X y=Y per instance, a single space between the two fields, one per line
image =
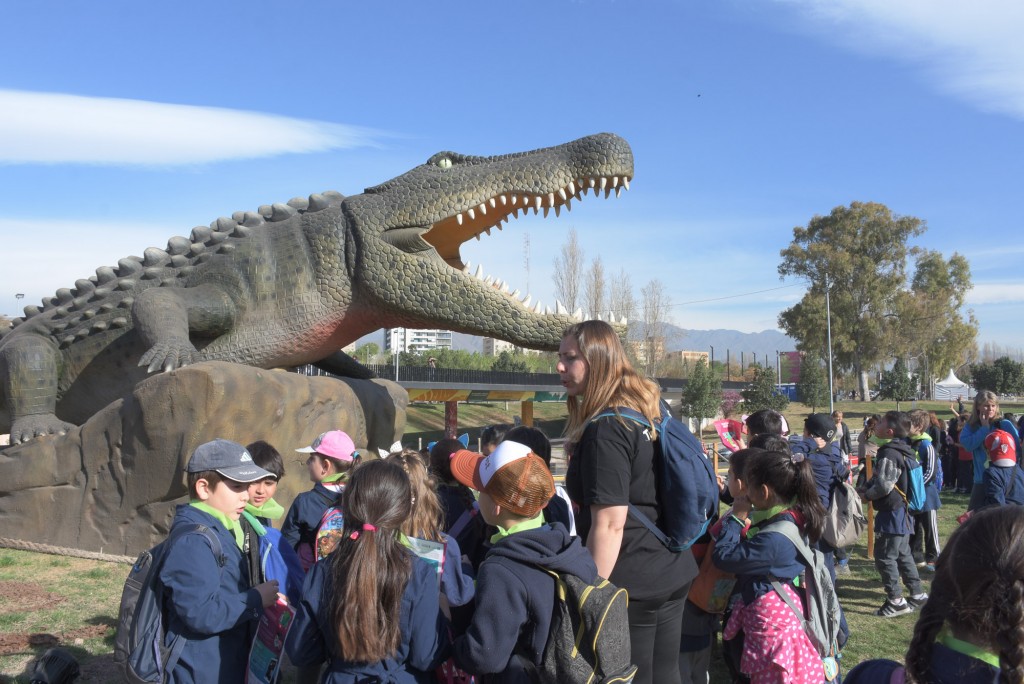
x=125 y=123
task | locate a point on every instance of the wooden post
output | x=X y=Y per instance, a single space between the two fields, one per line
x=451 y=419
x=526 y=412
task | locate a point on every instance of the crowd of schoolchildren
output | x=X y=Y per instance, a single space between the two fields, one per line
x=371 y=606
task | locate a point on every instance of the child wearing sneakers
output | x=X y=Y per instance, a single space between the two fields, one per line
x=1003 y=481
x=331 y=456
x=514 y=593
x=893 y=521
x=209 y=599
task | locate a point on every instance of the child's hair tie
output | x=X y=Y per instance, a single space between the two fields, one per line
x=367 y=527
x=796 y=458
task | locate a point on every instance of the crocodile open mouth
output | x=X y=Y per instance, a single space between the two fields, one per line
x=448 y=235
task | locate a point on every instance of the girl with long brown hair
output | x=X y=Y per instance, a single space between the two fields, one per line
x=971 y=630
x=611 y=466
x=370 y=609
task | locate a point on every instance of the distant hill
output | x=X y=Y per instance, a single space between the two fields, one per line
x=764 y=342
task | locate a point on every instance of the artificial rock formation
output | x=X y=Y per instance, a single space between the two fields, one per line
x=111 y=485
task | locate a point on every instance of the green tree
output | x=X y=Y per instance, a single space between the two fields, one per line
x=929 y=323
x=367 y=353
x=1002 y=376
x=812 y=387
x=897 y=383
x=702 y=394
x=510 y=363
x=859 y=253
x=761 y=393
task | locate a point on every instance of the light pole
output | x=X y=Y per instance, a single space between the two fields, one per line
x=712 y=362
x=778 y=365
x=828 y=327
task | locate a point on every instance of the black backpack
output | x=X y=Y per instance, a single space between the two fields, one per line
x=588 y=642
x=139 y=647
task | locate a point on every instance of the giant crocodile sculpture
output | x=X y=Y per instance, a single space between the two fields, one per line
x=293 y=283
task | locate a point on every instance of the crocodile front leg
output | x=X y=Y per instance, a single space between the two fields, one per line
x=30 y=387
x=164 y=318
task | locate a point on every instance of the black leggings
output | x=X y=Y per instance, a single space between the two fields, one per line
x=655 y=627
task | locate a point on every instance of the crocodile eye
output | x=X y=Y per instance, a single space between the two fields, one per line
x=444 y=163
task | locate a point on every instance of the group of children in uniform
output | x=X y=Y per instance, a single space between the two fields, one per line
x=373 y=610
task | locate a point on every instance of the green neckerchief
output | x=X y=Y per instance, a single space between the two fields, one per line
x=531 y=524
x=230 y=525
x=270 y=510
x=878 y=440
x=757 y=517
x=257 y=526
x=966 y=648
x=924 y=435
x=336 y=477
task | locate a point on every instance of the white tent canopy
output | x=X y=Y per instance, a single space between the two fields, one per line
x=951 y=388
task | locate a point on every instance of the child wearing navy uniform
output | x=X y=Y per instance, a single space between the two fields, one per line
x=213 y=606
x=1003 y=480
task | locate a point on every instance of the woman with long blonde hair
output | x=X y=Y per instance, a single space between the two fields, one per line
x=985 y=418
x=611 y=466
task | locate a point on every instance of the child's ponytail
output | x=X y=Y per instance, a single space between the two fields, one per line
x=370 y=568
x=790 y=477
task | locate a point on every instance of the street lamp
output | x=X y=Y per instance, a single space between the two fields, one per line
x=828 y=326
x=712 y=362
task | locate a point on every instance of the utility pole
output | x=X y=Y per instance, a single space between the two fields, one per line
x=828 y=325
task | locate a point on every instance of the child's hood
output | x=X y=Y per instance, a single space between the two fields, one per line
x=550 y=547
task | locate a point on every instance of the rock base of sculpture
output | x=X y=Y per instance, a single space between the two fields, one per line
x=111 y=485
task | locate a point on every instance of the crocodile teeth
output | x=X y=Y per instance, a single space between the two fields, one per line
x=471 y=214
x=465 y=269
x=483 y=209
x=458 y=219
x=515 y=294
x=479 y=275
x=560 y=308
x=570 y=189
x=615 y=181
x=558 y=210
x=504 y=200
x=514 y=199
x=539 y=308
x=504 y=288
x=618 y=191
x=492 y=202
x=568 y=204
x=527 y=299
x=488 y=230
x=604 y=182
x=591 y=183
x=477 y=236
x=489 y=280
x=561 y=193
x=546 y=210
x=578 y=315
x=537 y=201
x=625 y=183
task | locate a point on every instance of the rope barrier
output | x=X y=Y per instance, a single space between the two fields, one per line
x=22 y=545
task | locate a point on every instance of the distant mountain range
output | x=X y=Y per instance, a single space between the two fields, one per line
x=766 y=342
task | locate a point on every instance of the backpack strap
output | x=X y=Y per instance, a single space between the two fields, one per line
x=464 y=520
x=637 y=417
x=790 y=531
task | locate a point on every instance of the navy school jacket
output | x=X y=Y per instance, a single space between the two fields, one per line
x=313 y=636
x=303 y=517
x=212 y=606
x=515 y=597
x=757 y=560
x=947 y=667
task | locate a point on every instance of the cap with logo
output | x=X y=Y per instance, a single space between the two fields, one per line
x=1001 y=448
x=228 y=458
x=820 y=425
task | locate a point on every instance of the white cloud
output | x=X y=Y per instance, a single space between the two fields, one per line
x=51 y=128
x=971 y=50
x=996 y=293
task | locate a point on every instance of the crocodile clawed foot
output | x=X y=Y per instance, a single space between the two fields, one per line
x=169 y=354
x=28 y=428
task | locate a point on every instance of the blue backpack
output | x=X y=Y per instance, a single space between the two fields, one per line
x=139 y=647
x=915 y=495
x=687 y=483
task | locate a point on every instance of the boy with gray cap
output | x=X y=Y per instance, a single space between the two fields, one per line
x=207 y=597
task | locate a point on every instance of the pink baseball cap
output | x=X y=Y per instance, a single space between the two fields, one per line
x=334 y=444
